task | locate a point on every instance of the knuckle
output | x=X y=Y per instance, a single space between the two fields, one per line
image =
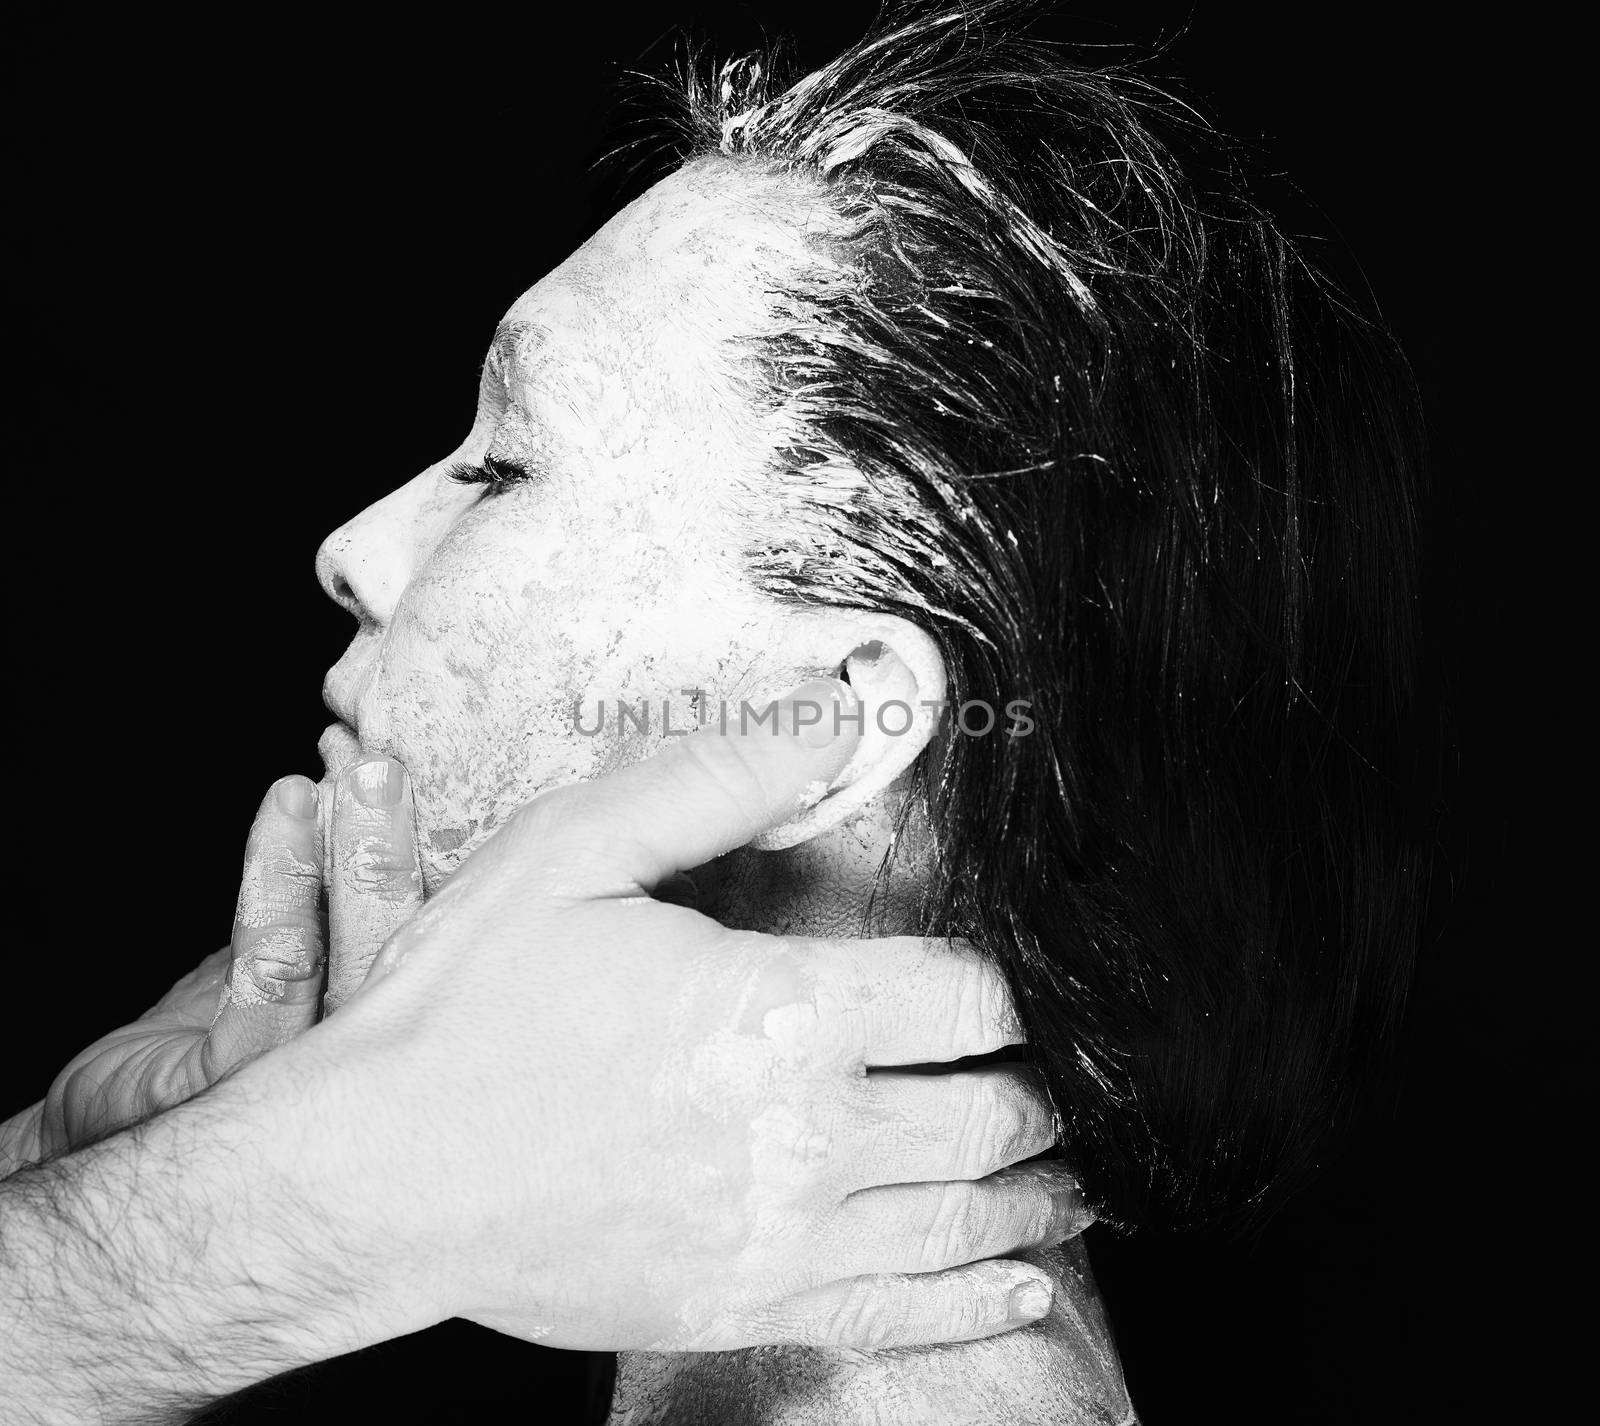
x=980 y=1007
x=288 y=949
x=1033 y=1213
x=1006 y=1126
x=837 y=1025
x=953 y=1228
x=278 y=872
x=780 y=1000
x=266 y=902
x=296 y=875
x=865 y=1318
x=381 y=867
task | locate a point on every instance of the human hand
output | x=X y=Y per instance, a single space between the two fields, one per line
x=577 y=1114
x=267 y=985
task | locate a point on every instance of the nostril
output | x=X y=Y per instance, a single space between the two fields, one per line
x=332 y=573
x=363 y=565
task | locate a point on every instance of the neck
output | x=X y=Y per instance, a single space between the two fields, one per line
x=835 y=884
x=1063 y=1370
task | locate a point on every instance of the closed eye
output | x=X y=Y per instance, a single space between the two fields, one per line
x=492 y=470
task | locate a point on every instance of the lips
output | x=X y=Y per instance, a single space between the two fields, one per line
x=339 y=747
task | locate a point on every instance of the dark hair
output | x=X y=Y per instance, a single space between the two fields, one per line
x=1060 y=393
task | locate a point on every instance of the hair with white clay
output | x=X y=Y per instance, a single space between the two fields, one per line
x=1058 y=391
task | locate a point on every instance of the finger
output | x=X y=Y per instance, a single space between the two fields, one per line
x=884 y=1310
x=910 y=1000
x=374 y=876
x=931 y=1128
x=703 y=795
x=927 y=1227
x=275 y=970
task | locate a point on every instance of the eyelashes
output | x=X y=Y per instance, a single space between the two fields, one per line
x=494 y=471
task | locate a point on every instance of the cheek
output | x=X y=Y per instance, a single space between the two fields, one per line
x=460 y=693
x=480 y=735
x=491 y=671
x=479 y=690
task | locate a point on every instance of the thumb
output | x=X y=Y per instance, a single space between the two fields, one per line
x=703 y=795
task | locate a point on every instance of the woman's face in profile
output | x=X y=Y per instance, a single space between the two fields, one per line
x=609 y=567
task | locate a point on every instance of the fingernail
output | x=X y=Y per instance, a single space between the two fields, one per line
x=1030 y=1301
x=818 y=711
x=297 y=796
x=378 y=783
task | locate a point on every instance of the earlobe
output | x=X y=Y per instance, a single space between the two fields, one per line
x=898 y=677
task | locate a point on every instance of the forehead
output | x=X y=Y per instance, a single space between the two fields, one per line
x=660 y=306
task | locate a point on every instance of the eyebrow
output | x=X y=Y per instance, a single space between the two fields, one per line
x=508 y=339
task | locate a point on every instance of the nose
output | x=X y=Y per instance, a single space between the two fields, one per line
x=365 y=565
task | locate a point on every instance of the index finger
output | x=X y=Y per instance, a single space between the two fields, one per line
x=912 y=1000
x=701 y=796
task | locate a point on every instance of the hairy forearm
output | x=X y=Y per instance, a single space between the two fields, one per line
x=1063 y=1371
x=168 y=1266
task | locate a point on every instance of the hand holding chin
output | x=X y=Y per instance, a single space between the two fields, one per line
x=569 y=1109
x=564 y=1108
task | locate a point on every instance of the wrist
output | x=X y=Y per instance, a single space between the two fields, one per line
x=375 y=1148
x=325 y=1158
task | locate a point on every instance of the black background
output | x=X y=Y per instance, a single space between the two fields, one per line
x=253 y=259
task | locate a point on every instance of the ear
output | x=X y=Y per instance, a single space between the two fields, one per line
x=898 y=674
